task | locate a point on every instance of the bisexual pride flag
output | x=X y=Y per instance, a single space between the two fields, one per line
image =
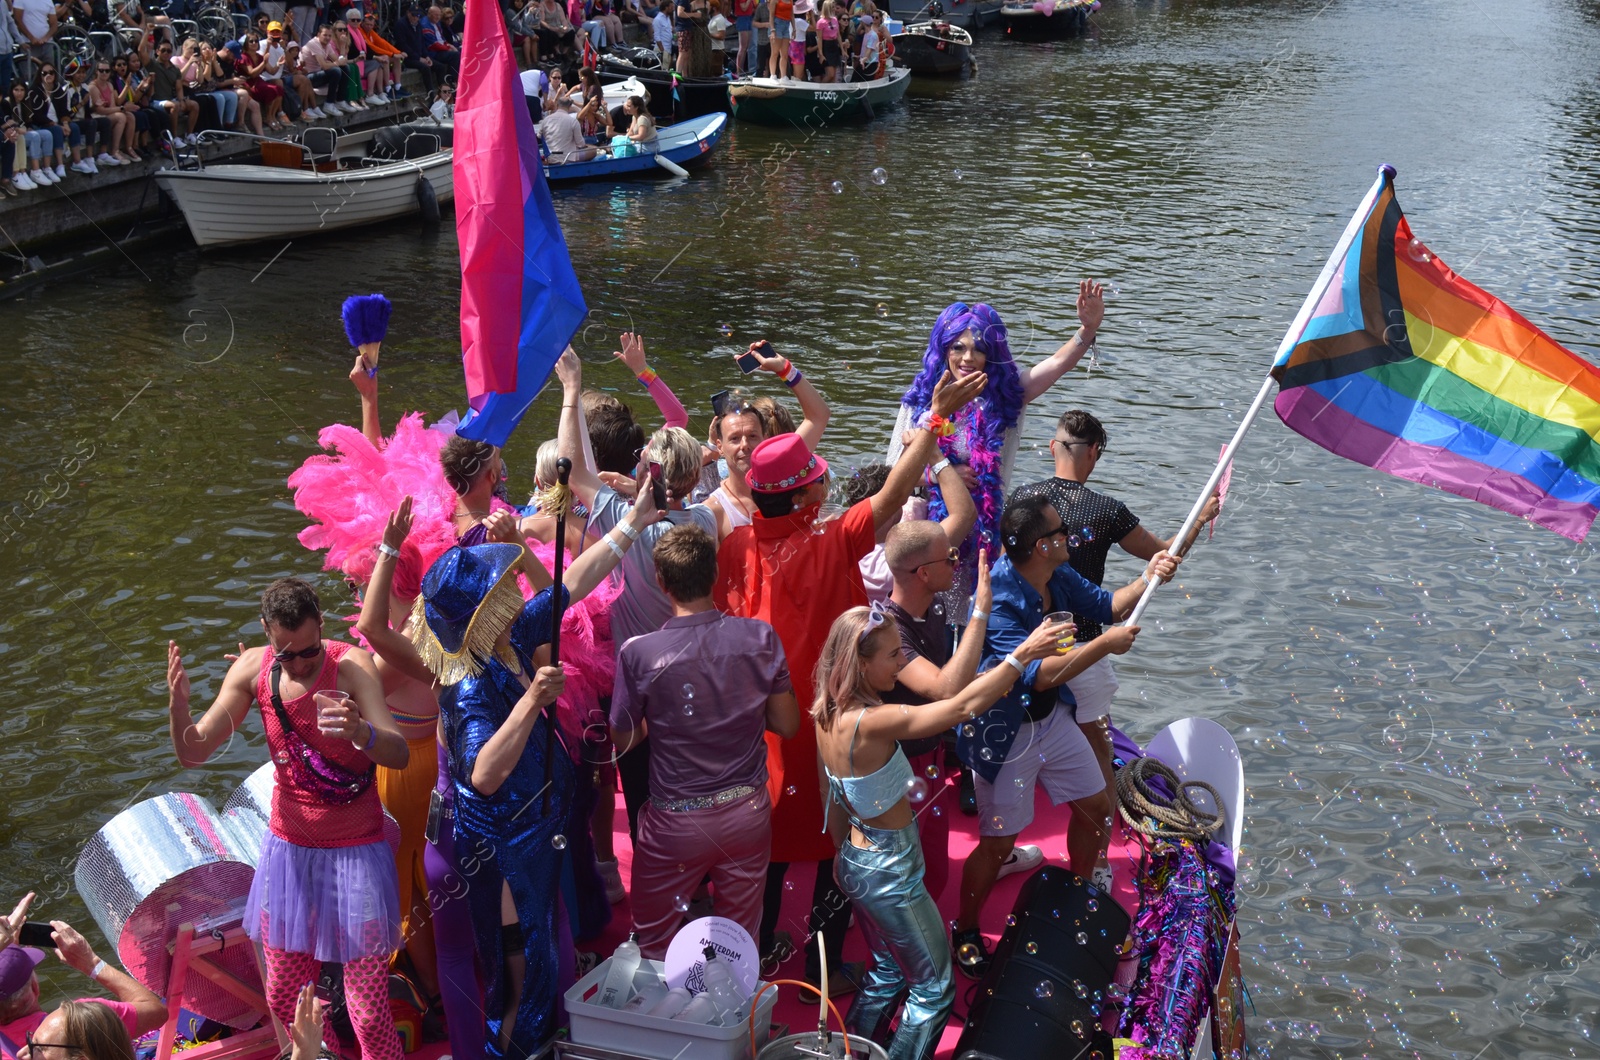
x=1406 y=367
x=520 y=302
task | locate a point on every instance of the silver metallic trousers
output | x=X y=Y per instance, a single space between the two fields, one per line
x=906 y=935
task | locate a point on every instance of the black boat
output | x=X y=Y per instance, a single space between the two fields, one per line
x=689 y=98
x=934 y=48
x=1046 y=19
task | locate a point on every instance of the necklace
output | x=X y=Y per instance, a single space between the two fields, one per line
x=743 y=508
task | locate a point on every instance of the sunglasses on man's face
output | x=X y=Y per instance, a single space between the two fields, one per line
x=308 y=653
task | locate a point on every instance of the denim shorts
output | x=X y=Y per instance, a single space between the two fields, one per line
x=744 y=23
x=782 y=28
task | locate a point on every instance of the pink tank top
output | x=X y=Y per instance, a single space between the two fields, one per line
x=298 y=816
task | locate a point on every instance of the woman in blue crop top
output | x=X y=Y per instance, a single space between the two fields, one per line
x=880 y=864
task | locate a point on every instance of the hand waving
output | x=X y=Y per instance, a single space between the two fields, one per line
x=1091 y=304
x=950 y=394
x=632 y=353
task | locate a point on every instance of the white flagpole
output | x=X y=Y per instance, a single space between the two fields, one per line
x=1290 y=337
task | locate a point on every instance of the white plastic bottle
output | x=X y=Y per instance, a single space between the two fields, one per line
x=701 y=1010
x=723 y=987
x=619 y=980
x=675 y=1001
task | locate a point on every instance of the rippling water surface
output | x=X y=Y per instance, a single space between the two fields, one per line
x=1406 y=672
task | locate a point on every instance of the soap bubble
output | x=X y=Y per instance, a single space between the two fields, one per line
x=916 y=790
x=1092 y=905
x=791 y=790
x=1045 y=989
x=680 y=903
x=969 y=954
x=1074 y=541
x=838 y=187
x=1418 y=251
x=957 y=174
x=688 y=691
x=726 y=330
x=1011 y=920
x=986 y=754
x=969 y=730
x=559 y=841
x=937 y=811
x=1113 y=288
x=1077 y=1028
x=1079 y=989
x=880 y=176
x=788 y=885
x=1086 y=159
x=1032 y=947
x=933 y=772
x=883 y=309
x=688 y=710
x=282 y=758
x=1088 y=533
x=1083 y=938
x=855 y=262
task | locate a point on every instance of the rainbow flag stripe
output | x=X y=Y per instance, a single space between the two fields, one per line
x=1408 y=368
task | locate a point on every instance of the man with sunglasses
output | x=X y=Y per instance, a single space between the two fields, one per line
x=1029 y=738
x=20 y=1012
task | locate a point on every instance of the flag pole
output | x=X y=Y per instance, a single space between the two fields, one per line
x=1324 y=280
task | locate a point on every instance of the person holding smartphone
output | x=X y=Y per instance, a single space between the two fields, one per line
x=21 y=952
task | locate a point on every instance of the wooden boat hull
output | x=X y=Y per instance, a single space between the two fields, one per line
x=804 y=104
x=689 y=144
x=230 y=205
x=932 y=54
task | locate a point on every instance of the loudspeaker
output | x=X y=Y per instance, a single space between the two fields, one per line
x=1051 y=971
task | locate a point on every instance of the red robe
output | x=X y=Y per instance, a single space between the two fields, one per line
x=784 y=573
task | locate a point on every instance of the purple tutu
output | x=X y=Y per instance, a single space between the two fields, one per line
x=337 y=903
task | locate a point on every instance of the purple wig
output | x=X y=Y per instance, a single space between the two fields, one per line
x=1002 y=398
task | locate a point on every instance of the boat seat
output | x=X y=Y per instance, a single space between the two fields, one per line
x=322 y=142
x=420 y=144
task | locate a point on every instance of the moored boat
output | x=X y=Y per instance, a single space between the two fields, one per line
x=671 y=98
x=936 y=48
x=809 y=104
x=1046 y=19
x=686 y=145
x=326 y=182
x=965 y=14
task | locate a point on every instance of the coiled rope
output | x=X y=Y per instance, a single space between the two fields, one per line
x=1148 y=812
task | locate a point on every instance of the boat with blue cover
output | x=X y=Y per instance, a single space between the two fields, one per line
x=685 y=145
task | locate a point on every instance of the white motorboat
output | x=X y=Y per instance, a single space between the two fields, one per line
x=327 y=181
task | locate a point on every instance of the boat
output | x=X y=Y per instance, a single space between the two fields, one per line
x=685 y=145
x=1046 y=19
x=671 y=98
x=327 y=181
x=808 y=104
x=935 y=48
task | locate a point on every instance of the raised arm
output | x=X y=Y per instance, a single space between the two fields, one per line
x=194 y=742
x=598 y=561
x=391 y=646
x=1162 y=566
x=812 y=406
x=368 y=725
x=1143 y=544
x=632 y=354
x=75 y=951
x=933 y=682
x=961 y=512
x=949 y=396
x=367 y=387
x=930 y=719
x=1091 y=311
x=572 y=434
x=500 y=752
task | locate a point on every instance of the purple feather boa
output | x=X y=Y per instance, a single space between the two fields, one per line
x=1180 y=936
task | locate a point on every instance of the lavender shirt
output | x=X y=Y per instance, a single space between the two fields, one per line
x=702 y=682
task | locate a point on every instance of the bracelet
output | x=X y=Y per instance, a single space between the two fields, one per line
x=783 y=373
x=940 y=466
x=615 y=548
x=627 y=531
x=393 y=553
x=648 y=376
x=1021 y=670
x=976 y=614
x=793 y=379
x=937 y=424
x=99 y=966
x=372 y=736
x=1144 y=577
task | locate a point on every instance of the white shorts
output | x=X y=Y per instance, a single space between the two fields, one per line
x=1053 y=752
x=1094 y=689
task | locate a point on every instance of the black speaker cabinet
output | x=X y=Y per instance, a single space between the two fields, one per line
x=1050 y=974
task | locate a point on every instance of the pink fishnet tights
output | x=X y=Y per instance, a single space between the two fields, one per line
x=366 y=992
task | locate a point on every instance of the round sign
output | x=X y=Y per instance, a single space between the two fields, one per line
x=686 y=959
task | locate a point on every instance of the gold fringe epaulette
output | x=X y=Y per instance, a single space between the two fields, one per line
x=553 y=500
x=494 y=615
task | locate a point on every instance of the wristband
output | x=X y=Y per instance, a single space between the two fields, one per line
x=793 y=378
x=976 y=614
x=1021 y=669
x=648 y=376
x=393 y=553
x=940 y=466
x=937 y=424
x=627 y=531
x=1144 y=578
x=615 y=548
x=99 y=966
x=372 y=736
x=783 y=373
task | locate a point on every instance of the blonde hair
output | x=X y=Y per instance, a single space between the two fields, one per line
x=774 y=416
x=676 y=450
x=544 y=464
x=840 y=681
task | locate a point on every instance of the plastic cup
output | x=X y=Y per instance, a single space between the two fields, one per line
x=325 y=699
x=1065 y=644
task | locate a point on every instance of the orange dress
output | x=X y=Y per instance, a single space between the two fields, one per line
x=784 y=573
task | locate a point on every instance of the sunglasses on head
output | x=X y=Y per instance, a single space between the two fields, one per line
x=953 y=556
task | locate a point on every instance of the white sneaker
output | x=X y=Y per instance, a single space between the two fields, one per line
x=311 y=114
x=90 y=163
x=1024 y=858
x=612 y=878
x=106 y=160
x=339 y=108
x=43 y=176
x=20 y=181
x=82 y=166
x=60 y=171
x=376 y=100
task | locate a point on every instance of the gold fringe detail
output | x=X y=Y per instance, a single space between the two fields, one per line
x=554 y=500
x=499 y=608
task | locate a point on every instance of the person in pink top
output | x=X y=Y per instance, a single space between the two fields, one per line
x=325 y=886
x=21 y=1016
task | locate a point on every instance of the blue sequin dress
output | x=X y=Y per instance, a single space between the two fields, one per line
x=511 y=835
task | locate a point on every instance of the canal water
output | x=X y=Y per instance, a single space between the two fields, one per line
x=1407 y=673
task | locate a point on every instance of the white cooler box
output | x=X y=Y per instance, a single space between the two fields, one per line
x=651 y=1036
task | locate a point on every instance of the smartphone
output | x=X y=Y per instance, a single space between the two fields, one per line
x=36 y=934
x=431 y=831
x=747 y=360
x=657 y=489
x=719 y=404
